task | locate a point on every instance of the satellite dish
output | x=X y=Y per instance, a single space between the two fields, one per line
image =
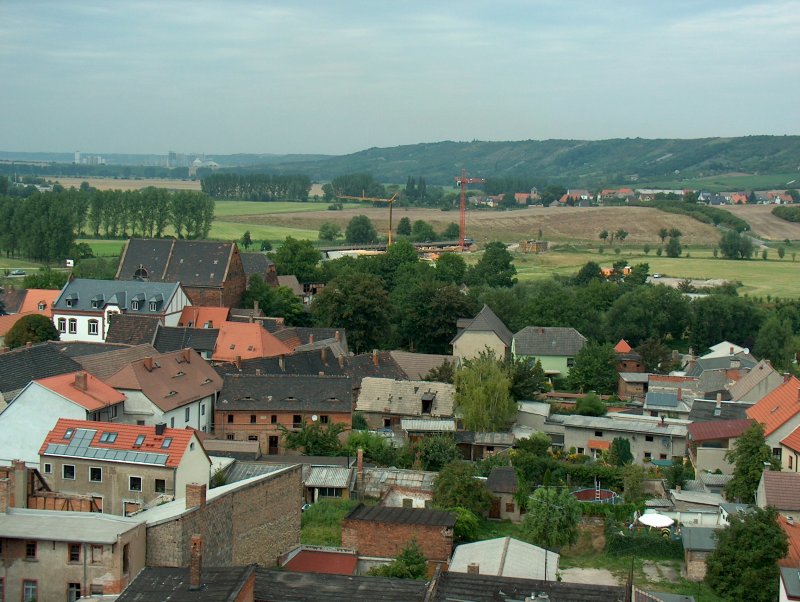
x=314 y=418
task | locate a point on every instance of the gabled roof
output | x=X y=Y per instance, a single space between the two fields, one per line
x=131 y=329
x=105 y=365
x=405 y=397
x=34 y=297
x=782 y=490
x=95 y=440
x=169 y=380
x=330 y=476
x=220 y=584
x=792 y=440
x=20 y=366
x=623 y=347
x=83 y=389
x=502 y=479
x=723 y=349
x=544 y=341
x=777 y=407
x=417 y=365
x=193 y=262
x=403 y=516
x=286 y=393
x=699 y=539
x=13 y=299
x=292 y=283
x=57 y=525
x=792 y=558
x=744 y=360
x=506 y=557
x=749 y=381
x=173 y=338
x=257 y=263
x=83 y=293
x=285 y=586
x=246 y=341
x=196 y=316
x=717 y=429
x=487 y=321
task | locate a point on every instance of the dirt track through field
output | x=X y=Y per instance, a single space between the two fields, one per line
x=765 y=225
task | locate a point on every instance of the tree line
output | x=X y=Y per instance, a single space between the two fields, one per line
x=257 y=187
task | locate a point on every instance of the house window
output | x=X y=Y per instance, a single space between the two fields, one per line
x=172 y=422
x=273 y=419
x=191 y=447
x=648 y=455
x=777 y=453
x=108 y=437
x=68 y=472
x=48 y=468
x=252 y=437
x=130 y=508
x=323 y=419
x=387 y=423
x=30 y=590
x=74 y=552
x=135 y=305
x=329 y=492
x=166 y=443
x=97 y=554
x=187 y=413
x=297 y=420
x=160 y=486
x=230 y=418
x=648 y=438
x=509 y=506
x=202 y=409
x=95 y=304
x=153 y=305
x=95 y=474
x=74 y=592
x=598 y=433
x=62 y=325
x=252 y=418
x=662 y=456
x=790 y=462
x=135 y=483
x=230 y=437
x=93 y=327
x=30 y=550
x=580 y=450
x=73 y=326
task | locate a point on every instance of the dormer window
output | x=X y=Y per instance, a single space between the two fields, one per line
x=69 y=302
x=42 y=305
x=135 y=305
x=171 y=394
x=153 y=306
x=141 y=273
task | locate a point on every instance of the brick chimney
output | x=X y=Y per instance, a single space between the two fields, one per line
x=186 y=354
x=237 y=361
x=148 y=363
x=196 y=562
x=337 y=336
x=311 y=339
x=473 y=568
x=28 y=344
x=375 y=358
x=195 y=495
x=80 y=381
x=258 y=371
x=680 y=394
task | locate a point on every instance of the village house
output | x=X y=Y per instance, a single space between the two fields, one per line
x=554 y=347
x=124 y=467
x=83 y=309
x=130 y=329
x=20 y=366
x=627 y=359
x=34 y=301
x=632 y=385
x=51 y=555
x=178 y=389
x=790 y=451
x=239 y=341
x=484 y=331
x=780 y=490
x=710 y=441
x=35 y=411
x=698 y=544
x=502 y=484
x=384 y=402
x=756 y=384
x=255 y=407
x=258 y=264
x=779 y=412
x=211 y=272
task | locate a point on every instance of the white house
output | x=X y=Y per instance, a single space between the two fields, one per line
x=81 y=312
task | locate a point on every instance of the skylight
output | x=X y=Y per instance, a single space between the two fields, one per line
x=108 y=437
x=68 y=433
x=139 y=441
x=166 y=442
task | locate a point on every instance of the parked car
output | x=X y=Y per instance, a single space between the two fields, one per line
x=18 y=273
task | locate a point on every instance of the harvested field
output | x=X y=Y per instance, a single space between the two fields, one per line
x=765 y=225
x=123 y=184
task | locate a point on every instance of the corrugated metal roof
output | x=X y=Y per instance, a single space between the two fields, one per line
x=428 y=426
x=329 y=476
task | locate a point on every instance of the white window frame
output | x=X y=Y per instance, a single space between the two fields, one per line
x=91 y=468
x=73 y=326
x=93 y=325
x=130 y=484
x=62 y=325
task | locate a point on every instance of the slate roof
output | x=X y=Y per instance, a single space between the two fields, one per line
x=77 y=349
x=192 y=262
x=417 y=365
x=487 y=321
x=159 y=584
x=791 y=581
x=173 y=338
x=404 y=397
x=777 y=407
x=131 y=329
x=744 y=385
x=83 y=292
x=698 y=366
x=502 y=479
x=705 y=410
x=782 y=490
x=12 y=299
x=490 y=588
x=256 y=263
x=105 y=365
x=402 y=516
x=285 y=586
x=699 y=539
x=717 y=429
x=547 y=341
x=286 y=392
x=20 y=366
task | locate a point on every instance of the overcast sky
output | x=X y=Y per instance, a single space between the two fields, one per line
x=335 y=77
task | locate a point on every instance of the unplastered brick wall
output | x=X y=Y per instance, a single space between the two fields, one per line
x=387 y=540
x=255 y=523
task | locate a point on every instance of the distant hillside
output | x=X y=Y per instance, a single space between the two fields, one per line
x=573 y=162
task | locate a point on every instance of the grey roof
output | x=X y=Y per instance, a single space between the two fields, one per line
x=534 y=407
x=542 y=341
x=286 y=392
x=20 y=366
x=404 y=397
x=733 y=508
x=174 y=338
x=83 y=292
x=105 y=365
x=417 y=365
x=487 y=321
x=239 y=471
x=220 y=584
x=744 y=385
x=711 y=382
x=78 y=349
x=704 y=410
x=428 y=426
x=80 y=446
x=52 y=525
x=712 y=479
x=624 y=425
x=287 y=586
x=490 y=588
x=378 y=481
x=405 y=516
x=507 y=557
x=700 y=539
x=502 y=479
x=131 y=329
x=698 y=366
x=666 y=399
x=256 y=263
x=791 y=581
x=635 y=377
x=330 y=476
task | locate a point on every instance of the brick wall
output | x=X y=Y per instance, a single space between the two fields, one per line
x=255 y=523
x=696 y=565
x=387 y=540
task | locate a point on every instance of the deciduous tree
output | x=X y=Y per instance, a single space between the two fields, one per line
x=552 y=518
x=483 y=394
x=775 y=341
x=595 y=368
x=495 y=268
x=749 y=454
x=33 y=328
x=456 y=485
x=360 y=230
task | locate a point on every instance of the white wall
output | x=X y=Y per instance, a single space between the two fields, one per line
x=139 y=407
x=195 y=467
x=172 y=313
x=82 y=323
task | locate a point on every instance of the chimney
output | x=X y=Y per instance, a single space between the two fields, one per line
x=337 y=336
x=375 y=357
x=148 y=363
x=676 y=355
x=678 y=488
x=341 y=360
x=80 y=381
x=186 y=354
x=160 y=428
x=195 y=495
x=790 y=520
x=311 y=339
x=473 y=568
x=324 y=354
x=680 y=394
x=719 y=400
x=196 y=563
x=258 y=371
x=28 y=344
x=281 y=363
x=731 y=349
x=360 y=472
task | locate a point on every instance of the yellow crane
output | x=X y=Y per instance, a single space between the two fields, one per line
x=390 y=201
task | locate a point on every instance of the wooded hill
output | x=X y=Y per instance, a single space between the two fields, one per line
x=577 y=163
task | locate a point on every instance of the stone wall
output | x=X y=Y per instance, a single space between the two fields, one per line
x=387 y=540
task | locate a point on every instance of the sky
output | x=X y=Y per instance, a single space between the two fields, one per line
x=338 y=76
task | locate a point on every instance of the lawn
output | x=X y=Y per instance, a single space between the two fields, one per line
x=322 y=522
x=104 y=248
x=222 y=230
x=728 y=182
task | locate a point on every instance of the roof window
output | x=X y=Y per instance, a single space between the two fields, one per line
x=171 y=394
x=139 y=441
x=108 y=437
x=166 y=443
x=68 y=433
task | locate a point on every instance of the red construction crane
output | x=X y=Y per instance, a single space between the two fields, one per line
x=462 y=181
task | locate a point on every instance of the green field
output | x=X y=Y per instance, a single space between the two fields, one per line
x=224 y=209
x=729 y=182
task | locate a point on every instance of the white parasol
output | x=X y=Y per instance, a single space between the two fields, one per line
x=657 y=521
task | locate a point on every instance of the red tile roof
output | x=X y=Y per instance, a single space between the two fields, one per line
x=599 y=444
x=782 y=490
x=777 y=407
x=665 y=378
x=717 y=429
x=126 y=437
x=194 y=316
x=318 y=561
x=622 y=347
x=792 y=531
x=792 y=440
x=246 y=341
x=92 y=393
x=39 y=296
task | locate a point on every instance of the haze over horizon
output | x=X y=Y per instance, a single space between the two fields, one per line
x=250 y=76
